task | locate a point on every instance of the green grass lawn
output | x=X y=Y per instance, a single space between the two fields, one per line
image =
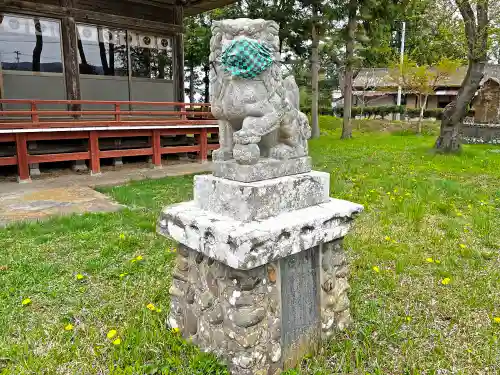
x=429 y=219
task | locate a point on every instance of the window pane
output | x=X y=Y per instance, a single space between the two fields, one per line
x=30 y=44
x=150 y=56
x=102 y=51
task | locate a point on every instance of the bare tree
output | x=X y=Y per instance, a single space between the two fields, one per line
x=314 y=77
x=369 y=81
x=476 y=31
x=352 y=9
x=37 y=51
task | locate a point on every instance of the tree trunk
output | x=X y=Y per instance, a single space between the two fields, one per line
x=37 y=51
x=111 y=59
x=476 y=32
x=423 y=104
x=206 y=80
x=314 y=79
x=104 y=61
x=454 y=113
x=81 y=52
x=191 y=84
x=348 y=73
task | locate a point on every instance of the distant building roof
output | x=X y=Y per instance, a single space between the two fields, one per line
x=379 y=77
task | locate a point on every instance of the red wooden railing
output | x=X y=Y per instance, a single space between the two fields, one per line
x=36 y=124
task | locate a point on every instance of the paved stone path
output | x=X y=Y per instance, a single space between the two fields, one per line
x=69 y=194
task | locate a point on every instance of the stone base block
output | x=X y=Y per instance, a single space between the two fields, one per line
x=247 y=201
x=79 y=166
x=265 y=169
x=248 y=245
x=264 y=320
x=117 y=162
x=35 y=170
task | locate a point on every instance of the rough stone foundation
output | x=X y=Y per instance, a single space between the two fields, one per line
x=234 y=314
x=263 y=319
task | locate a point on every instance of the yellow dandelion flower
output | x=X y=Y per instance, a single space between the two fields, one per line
x=175 y=330
x=408 y=319
x=26 y=301
x=445 y=281
x=174 y=250
x=463 y=246
x=151 y=307
x=79 y=276
x=429 y=260
x=68 y=327
x=138 y=258
x=496 y=319
x=459 y=214
x=437 y=261
x=387 y=238
x=376 y=269
x=122 y=236
x=122 y=275
x=118 y=341
x=111 y=334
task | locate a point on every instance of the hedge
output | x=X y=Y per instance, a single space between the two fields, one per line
x=383 y=111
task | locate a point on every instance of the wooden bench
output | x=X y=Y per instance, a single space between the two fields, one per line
x=21 y=126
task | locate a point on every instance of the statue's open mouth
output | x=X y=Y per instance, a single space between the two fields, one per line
x=246 y=58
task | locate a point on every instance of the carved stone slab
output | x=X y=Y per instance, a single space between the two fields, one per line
x=300 y=305
x=265 y=169
x=247 y=201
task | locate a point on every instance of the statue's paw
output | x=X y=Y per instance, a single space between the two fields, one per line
x=283 y=152
x=222 y=154
x=246 y=154
x=245 y=137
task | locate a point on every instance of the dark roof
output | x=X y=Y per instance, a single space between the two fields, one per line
x=191 y=7
x=200 y=6
x=379 y=77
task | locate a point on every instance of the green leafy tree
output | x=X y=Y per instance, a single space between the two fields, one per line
x=196 y=47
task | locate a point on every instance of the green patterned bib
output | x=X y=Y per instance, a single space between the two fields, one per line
x=246 y=58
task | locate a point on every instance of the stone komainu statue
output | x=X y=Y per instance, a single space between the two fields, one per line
x=258 y=110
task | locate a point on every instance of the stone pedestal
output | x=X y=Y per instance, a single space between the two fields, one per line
x=117 y=162
x=260 y=276
x=79 y=166
x=35 y=170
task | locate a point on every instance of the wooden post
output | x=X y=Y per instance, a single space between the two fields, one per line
x=34 y=116
x=70 y=57
x=22 y=158
x=117 y=112
x=95 y=163
x=178 y=56
x=156 y=149
x=203 y=156
x=2 y=94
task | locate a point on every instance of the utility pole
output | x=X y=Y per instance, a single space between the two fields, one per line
x=17 y=55
x=401 y=61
